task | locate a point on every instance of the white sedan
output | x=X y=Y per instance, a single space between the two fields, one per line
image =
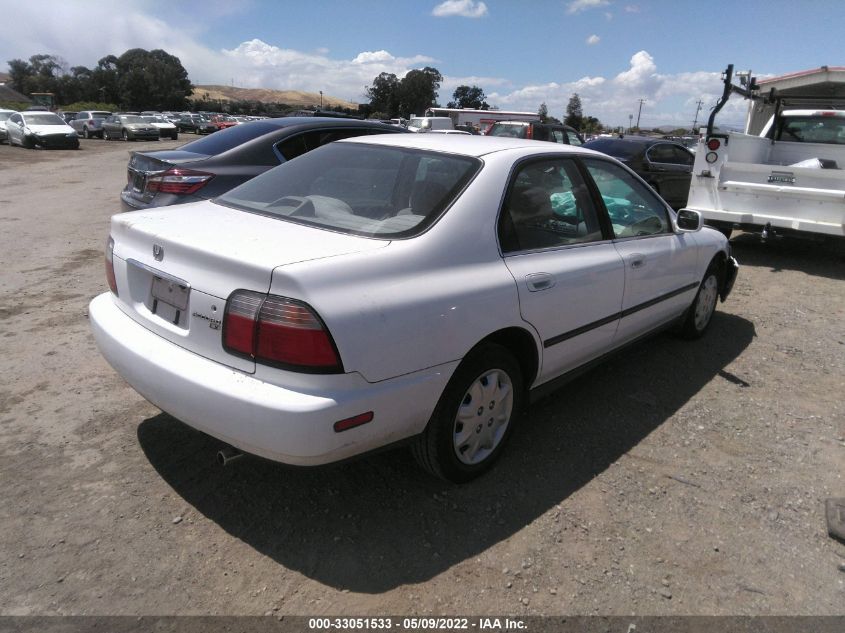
x=39 y=128
x=398 y=288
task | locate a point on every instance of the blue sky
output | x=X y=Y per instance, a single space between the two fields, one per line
x=521 y=53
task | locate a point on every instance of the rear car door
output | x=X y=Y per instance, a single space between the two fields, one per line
x=660 y=265
x=670 y=166
x=569 y=276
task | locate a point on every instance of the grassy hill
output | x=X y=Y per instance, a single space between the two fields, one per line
x=264 y=95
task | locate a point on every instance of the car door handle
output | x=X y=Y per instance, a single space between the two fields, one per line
x=539 y=281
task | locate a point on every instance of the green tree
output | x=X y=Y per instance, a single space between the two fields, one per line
x=153 y=80
x=469 y=97
x=543 y=112
x=418 y=90
x=384 y=94
x=574 y=112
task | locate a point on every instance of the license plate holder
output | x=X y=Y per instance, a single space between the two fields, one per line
x=170 y=292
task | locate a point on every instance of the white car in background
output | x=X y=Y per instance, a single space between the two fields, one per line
x=4 y=115
x=166 y=129
x=397 y=288
x=38 y=128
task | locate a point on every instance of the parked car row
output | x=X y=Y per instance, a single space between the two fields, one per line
x=268 y=286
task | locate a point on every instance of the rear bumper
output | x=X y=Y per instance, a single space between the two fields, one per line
x=285 y=424
x=762 y=219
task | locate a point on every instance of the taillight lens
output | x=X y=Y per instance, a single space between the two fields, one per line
x=713 y=144
x=529 y=132
x=278 y=331
x=110 y=265
x=178 y=181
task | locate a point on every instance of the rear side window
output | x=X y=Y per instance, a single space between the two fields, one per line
x=573 y=137
x=302 y=143
x=547 y=205
x=812 y=129
x=224 y=140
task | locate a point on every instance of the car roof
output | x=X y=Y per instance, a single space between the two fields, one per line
x=468 y=144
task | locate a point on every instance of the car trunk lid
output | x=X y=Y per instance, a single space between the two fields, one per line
x=176 y=267
x=144 y=165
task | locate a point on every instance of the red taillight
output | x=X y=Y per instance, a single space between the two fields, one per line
x=90 y=121
x=713 y=144
x=110 y=265
x=178 y=181
x=278 y=331
x=529 y=132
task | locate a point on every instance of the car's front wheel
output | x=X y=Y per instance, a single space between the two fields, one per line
x=700 y=313
x=125 y=135
x=474 y=417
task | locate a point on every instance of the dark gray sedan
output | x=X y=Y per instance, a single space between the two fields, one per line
x=129 y=127
x=665 y=165
x=211 y=166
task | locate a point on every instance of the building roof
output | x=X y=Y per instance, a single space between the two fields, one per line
x=7 y=93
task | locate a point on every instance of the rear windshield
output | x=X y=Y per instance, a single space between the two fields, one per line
x=358 y=189
x=513 y=130
x=615 y=148
x=224 y=140
x=812 y=129
x=100 y=115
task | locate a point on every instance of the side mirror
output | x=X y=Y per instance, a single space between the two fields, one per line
x=689 y=220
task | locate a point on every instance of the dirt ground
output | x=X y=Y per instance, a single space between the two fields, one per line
x=679 y=478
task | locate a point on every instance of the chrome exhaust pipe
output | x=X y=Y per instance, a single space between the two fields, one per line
x=226 y=456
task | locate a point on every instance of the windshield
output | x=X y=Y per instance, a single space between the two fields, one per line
x=154 y=119
x=513 y=130
x=816 y=128
x=43 y=118
x=5 y=115
x=100 y=115
x=358 y=189
x=224 y=140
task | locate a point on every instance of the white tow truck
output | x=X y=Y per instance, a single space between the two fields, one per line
x=785 y=175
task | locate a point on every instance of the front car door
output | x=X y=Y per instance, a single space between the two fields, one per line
x=569 y=275
x=660 y=265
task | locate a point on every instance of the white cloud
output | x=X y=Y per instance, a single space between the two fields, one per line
x=577 y=6
x=632 y=8
x=259 y=64
x=461 y=8
x=593 y=39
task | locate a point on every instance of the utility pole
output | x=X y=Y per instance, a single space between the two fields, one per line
x=630 y=122
x=321 y=100
x=697 y=110
x=638 y=114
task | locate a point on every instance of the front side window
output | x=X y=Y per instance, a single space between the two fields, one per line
x=358 y=189
x=557 y=137
x=547 y=205
x=574 y=139
x=633 y=208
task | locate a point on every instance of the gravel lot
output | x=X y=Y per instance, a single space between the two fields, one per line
x=679 y=478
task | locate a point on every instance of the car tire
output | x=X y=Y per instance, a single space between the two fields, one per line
x=474 y=417
x=85 y=133
x=106 y=136
x=125 y=135
x=699 y=315
x=28 y=143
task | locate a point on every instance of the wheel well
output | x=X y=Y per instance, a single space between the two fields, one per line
x=521 y=344
x=719 y=261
